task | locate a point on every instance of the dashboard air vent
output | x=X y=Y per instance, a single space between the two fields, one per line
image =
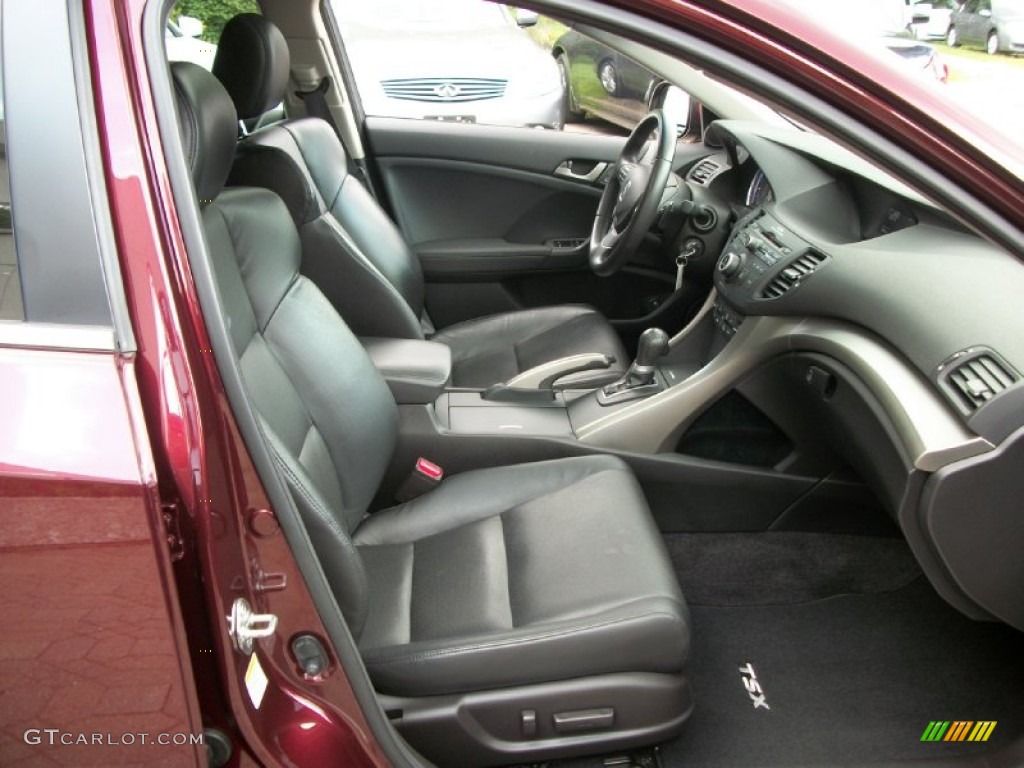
x=975 y=376
x=703 y=172
x=802 y=267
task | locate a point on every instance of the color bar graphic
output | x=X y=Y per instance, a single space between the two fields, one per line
x=935 y=731
x=958 y=730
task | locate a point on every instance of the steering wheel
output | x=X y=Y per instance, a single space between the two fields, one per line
x=633 y=193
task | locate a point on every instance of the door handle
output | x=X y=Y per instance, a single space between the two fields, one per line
x=595 y=169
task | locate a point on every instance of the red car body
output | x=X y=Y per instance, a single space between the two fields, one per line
x=132 y=516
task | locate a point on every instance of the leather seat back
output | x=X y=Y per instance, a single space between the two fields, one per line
x=328 y=415
x=352 y=250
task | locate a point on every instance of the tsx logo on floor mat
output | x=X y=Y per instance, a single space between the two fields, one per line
x=958 y=730
x=753 y=687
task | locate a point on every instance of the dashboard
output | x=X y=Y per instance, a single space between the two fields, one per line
x=833 y=263
x=820 y=233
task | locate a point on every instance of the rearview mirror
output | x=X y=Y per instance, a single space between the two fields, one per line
x=190 y=26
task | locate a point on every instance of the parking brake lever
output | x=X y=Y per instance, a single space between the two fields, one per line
x=537 y=383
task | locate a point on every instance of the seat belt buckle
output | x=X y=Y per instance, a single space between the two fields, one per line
x=425 y=476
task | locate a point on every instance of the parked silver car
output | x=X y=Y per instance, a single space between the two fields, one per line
x=939 y=13
x=450 y=60
x=183 y=43
x=882 y=23
x=998 y=25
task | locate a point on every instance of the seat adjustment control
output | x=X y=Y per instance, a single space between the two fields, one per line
x=584 y=720
x=528 y=718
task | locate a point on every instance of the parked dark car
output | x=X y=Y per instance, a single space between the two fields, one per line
x=601 y=81
x=486 y=445
x=996 y=25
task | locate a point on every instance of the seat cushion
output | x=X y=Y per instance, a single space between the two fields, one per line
x=516 y=575
x=493 y=349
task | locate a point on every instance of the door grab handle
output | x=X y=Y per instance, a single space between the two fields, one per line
x=566 y=172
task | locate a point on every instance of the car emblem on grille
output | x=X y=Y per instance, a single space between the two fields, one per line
x=447 y=91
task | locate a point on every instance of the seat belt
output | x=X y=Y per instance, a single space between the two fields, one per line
x=315 y=102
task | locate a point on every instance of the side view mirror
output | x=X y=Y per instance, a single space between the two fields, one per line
x=676 y=104
x=190 y=26
x=526 y=18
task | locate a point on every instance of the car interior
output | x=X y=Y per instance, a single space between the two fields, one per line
x=729 y=417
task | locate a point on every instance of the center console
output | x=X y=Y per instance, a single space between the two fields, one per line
x=763 y=260
x=667 y=386
x=468 y=412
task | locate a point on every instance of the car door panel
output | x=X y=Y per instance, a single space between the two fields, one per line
x=534 y=150
x=485 y=202
x=497 y=223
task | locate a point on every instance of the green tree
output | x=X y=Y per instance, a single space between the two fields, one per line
x=213 y=13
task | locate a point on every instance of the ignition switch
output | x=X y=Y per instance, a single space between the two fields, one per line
x=693 y=247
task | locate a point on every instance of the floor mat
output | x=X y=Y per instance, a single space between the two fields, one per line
x=847 y=679
x=778 y=568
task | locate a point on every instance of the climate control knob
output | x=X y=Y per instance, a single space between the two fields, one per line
x=729 y=265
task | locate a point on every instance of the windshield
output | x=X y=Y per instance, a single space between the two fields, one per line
x=447 y=15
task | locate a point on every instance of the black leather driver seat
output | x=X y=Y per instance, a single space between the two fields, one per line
x=355 y=253
x=512 y=613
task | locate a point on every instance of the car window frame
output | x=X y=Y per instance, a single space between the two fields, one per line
x=39 y=189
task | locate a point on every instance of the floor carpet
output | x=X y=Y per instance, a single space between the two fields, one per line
x=853 y=649
x=854 y=652
x=777 y=568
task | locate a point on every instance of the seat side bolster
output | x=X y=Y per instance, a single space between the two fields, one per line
x=339 y=558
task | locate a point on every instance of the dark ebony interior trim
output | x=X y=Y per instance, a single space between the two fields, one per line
x=394 y=748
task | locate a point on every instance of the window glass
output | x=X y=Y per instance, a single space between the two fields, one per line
x=469 y=61
x=192 y=31
x=605 y=86
x=11 y=307
x=458 y=61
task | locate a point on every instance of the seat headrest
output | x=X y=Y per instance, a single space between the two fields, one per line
x=252 y=62
x=208 y=126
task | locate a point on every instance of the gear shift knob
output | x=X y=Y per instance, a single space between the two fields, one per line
x=652 y=345
x=641 y=380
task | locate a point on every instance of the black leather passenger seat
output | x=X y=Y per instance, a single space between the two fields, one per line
x=513 y=613
x=516 y=575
